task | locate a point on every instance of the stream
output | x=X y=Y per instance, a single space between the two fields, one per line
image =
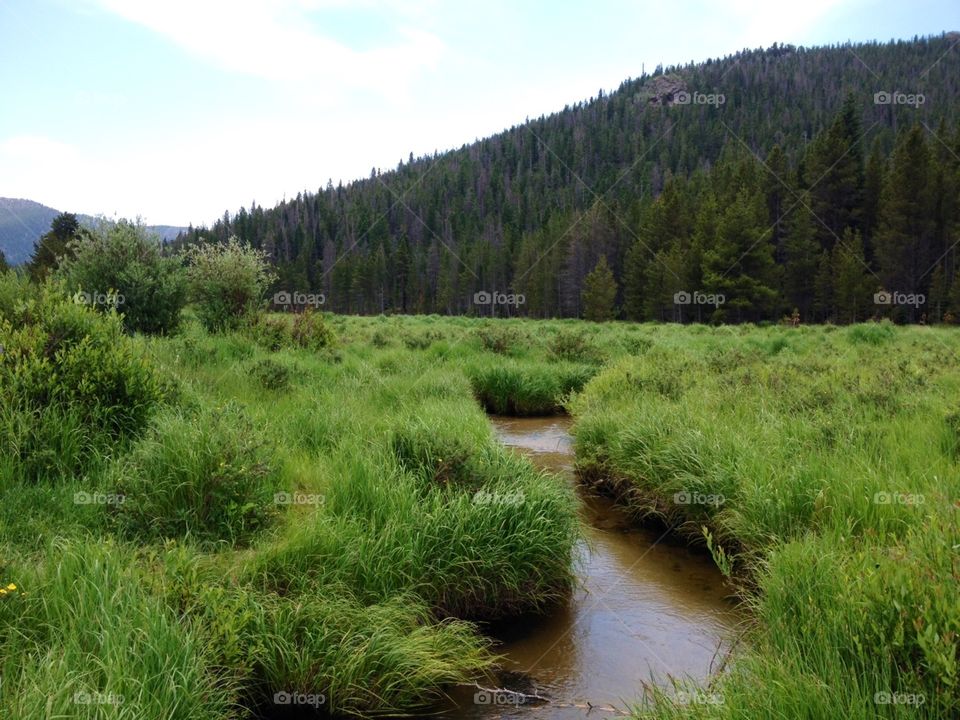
x=645 y=609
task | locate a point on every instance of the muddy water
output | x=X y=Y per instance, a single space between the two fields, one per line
x=645 y=610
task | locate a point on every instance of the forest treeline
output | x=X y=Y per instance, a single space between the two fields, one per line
x=817 y=183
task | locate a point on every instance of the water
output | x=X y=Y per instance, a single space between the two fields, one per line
x=645 y=609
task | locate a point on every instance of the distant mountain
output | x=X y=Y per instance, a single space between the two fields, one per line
x=22 y=222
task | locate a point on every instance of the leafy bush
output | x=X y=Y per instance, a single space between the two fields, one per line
x=71 y=384
x=270 y=374
x=499 y=339
x=204 y=474
x=574 y=346
x=14 y=291
x=271 y=333
x=227 y=282
x=309 y=331
x=121 y=264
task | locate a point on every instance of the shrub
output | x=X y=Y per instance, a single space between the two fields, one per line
x=271 y=333
x=227 y=282
x=270 y=374
x=71 y=384
x=121 y=264
x=14 y=291
x=574 y=346
x=309 y=331
x=502 y=340
x=204 y=474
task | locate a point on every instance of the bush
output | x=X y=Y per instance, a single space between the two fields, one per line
x=309 y=331
x=572 y=346
x=70 y=385
x=204 y=474
x=270 y=374
x=271 y=333
x=227 y=282
x=121 y=264
x=14 y=291
x=502 y=340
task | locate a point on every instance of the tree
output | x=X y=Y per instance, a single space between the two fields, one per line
x=119 y=265
x=53 y=245
x=904 y=238
x=740 y=264
x=227 y=282
x=852 y=282
x=599 y=293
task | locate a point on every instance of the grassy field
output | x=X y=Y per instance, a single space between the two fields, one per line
x=332 y=524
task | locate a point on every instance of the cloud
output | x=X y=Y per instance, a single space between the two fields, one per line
x=278 y=40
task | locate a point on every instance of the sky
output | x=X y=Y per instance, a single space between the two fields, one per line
x=177 y=110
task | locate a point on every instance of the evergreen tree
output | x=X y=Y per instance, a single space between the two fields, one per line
x=53 y=245
x=904 y=238
x=599 y=293
x=852 y=281
x=740 y=264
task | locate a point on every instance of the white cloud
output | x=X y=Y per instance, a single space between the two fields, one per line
x=277 y=40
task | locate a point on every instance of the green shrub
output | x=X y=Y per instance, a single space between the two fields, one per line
x=501 y=339
x=271 y=333
x=227 y=282
x=270 y=374
x=573 y=346
x=121 y=265
x=204 y=474
x=71 y=384
x=309 y=331
x=15 y=290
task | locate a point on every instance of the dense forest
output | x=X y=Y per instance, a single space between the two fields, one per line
x=818 y=183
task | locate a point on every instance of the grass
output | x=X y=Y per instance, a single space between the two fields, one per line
x=308 y=510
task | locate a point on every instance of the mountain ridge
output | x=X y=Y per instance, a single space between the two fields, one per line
x=23 y=221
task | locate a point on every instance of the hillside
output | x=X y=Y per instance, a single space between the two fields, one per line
x=22 y=222
x=760 y=143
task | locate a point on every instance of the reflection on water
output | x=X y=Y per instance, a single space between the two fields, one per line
x=645 y=609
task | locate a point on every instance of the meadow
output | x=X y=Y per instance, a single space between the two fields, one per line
x=205 y=524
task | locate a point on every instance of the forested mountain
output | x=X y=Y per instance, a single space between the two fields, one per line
x=766 y=183
x=22 y=222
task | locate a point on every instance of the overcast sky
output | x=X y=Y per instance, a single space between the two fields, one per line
x=177 y=110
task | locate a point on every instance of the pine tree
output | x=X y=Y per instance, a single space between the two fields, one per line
x=852 y=281
x=904 y=238
x=599 y=293
x=740 y=264
x=801 y=252
x=53 y=245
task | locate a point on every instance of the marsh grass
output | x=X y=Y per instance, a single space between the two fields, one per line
x=405 y=520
